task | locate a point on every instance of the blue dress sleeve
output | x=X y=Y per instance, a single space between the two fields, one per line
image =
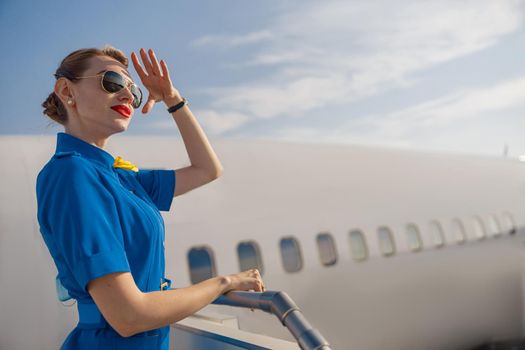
x=82 y=220
x=159 y=184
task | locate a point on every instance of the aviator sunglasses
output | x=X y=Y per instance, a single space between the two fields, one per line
x=113 y=82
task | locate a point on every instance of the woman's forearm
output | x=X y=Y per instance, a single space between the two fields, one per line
x=160 y=308
x=199 y=150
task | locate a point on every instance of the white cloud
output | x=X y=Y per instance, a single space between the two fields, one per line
x=473 y=103
x=406 y=128
x=229 y=41
x=268 y=101
x=335 y=52
x=218 y=122
x=212 y=121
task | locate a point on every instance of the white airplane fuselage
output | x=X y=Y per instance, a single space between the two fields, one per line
x=456 y=291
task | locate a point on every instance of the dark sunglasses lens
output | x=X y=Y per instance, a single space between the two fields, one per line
x=137 y=96
x=114 y=82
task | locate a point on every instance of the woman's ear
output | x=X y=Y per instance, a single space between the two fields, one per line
x=63 y=91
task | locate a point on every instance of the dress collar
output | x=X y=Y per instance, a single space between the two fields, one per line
x=67 y=142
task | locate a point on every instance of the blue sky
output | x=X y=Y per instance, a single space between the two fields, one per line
x=445 y=76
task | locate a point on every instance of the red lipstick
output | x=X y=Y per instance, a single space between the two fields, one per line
x=123 y=110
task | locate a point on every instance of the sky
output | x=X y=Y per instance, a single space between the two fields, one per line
x=441 y=76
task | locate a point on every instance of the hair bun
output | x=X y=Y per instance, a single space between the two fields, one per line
x=54 y=108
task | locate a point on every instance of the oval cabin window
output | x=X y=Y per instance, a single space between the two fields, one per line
x=202 y=264
x=327 y=251
x=358 y=245
x=494 y=227
x=438 y=236
x=291 y=255
x=386 y=241
x=479 y=228
x=509 y=225
x=458 y=230
x=413 y=238
x=249 y=256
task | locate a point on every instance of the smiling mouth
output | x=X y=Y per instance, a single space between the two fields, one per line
x=122 y=110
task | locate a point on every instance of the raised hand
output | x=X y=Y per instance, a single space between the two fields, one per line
x=155 y=78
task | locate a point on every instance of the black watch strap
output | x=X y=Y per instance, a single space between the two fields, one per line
x=178 y=105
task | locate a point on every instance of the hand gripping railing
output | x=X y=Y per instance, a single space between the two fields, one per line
x=282 y=306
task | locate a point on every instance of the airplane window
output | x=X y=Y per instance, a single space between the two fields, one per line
x=479 y=228
x=494 y=228
x=386 y=241
x=201 y=263
x=438 y=236
x=414 y=238
x=509 y=226
x=326 y=246
x=291 y=254
x=358 y=245
x=458 y=230
x=249 y=256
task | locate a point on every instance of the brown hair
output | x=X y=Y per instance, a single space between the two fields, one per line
x=74 y=65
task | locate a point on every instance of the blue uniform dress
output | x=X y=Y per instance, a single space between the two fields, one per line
x=97 y=219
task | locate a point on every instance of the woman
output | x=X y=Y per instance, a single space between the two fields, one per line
x=99 y=216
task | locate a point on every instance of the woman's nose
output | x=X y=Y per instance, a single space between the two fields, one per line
x=126 y=93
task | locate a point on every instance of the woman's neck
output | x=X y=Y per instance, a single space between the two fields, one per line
x=98 y=141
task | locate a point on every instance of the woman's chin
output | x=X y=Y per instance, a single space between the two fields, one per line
x=121 y=127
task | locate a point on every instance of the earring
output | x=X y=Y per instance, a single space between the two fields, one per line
x=69 y=102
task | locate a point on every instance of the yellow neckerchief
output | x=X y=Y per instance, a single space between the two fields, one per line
x=124 y=164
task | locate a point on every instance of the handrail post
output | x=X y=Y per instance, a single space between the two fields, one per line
x=284 y=308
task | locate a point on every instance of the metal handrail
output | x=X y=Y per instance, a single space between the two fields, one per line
x=282 y=306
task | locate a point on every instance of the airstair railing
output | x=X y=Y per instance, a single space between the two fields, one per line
x=282 y=306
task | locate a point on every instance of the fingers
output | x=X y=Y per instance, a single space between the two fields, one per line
x=259 y=285
x=148 y=105
x=140 y=71
x=255 y=273
x=146 y=62
x=165 y=71
x=151 y=65
x=154 y=62
x=249 y=280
